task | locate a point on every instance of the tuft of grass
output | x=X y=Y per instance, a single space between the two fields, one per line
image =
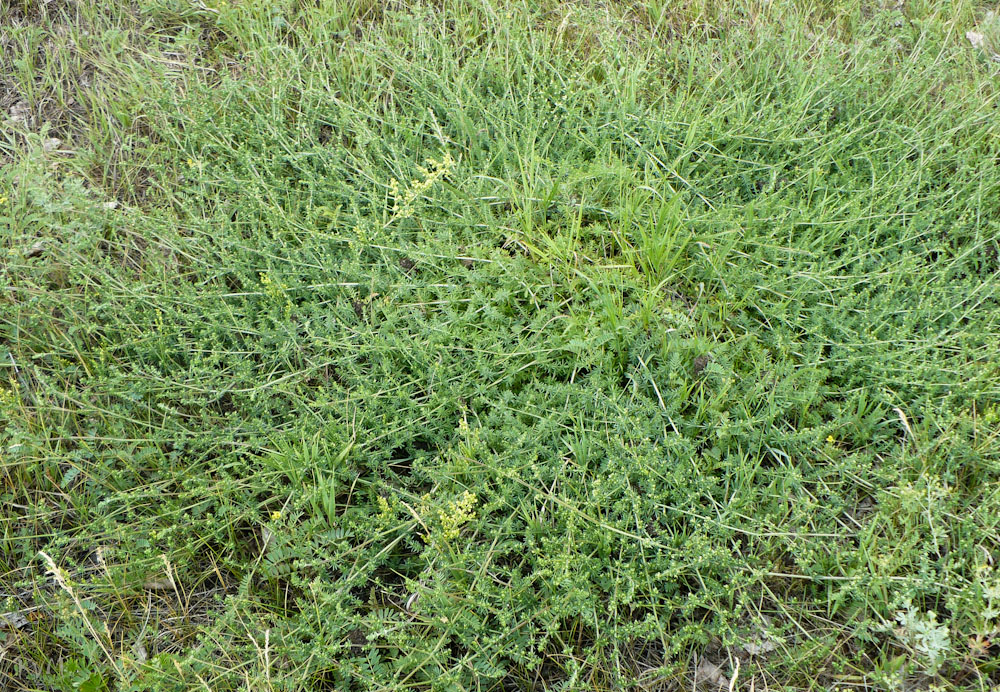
x=467 y=345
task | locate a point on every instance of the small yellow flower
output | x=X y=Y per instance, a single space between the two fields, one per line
x=3 y=199
x=458 y=512
x=276 y=515
x=831 y=439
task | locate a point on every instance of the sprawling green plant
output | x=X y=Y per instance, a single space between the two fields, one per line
x=473 y=345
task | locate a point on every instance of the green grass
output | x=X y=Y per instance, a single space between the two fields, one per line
x=473 y=345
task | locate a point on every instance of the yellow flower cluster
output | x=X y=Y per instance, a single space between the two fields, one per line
x=384 y=511
x=452 y=517
x=459 y=512
x=403 y=199
x=9 y=398
x=276 y=290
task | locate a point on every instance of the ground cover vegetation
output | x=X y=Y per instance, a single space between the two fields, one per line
x=479 y=345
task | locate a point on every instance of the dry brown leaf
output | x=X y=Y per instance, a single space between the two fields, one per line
x=13 y=620
x=20 y=112
x=710 y=675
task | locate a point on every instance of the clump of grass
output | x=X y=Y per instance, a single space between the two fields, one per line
x=675 y=361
